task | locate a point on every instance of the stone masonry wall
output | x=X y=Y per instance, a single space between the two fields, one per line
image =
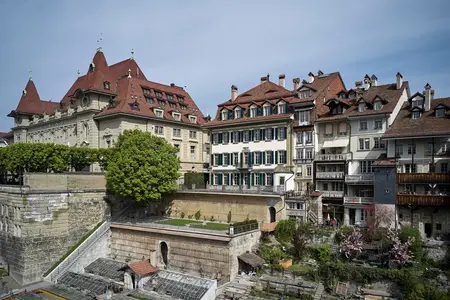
x=218 y=205
x=437 y=217
x=38 y=228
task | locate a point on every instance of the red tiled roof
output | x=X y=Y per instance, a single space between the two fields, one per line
x=426 y=125
x=384 y=161
x=142 y=267
x=6 y=135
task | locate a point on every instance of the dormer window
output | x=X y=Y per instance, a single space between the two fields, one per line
x=161 y=102
x=184 y=107
x=91 y=67
x=173 y=105
x=417 y=103
x=158 y=94
x=238 y=113
x=176 y=116
x=416 y=114
x=377 y=105
x=169 y=97
x=159 y=113
x=106 y=85
x=149 y=100
x=146 y=91
x=134 y=105
x=337 y=110
x=224 y=114
x=440 y=113
x=253 y=111
x=267 y=110
x=193 y=119
x=361 y=107
x=281 y=108
x=180 y=99
x=305 y=94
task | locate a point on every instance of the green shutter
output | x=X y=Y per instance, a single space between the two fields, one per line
x=219 y=179
x=263 y=181
x=263 y=158
x=285 y=157
x=241 y=178
x=285 y=133
x=253 y=179
x=276 y=157
x=272 y=158
x=275 y=136
x=220 y=160
x=212 y=178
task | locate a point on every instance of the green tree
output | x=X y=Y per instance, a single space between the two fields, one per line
x=58 y=158
x=285 y=230
x=142 y=166
x=103 y=156
x=81 y=158
x=300 y=239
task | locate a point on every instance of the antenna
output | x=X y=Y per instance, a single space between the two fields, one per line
x=132 y=54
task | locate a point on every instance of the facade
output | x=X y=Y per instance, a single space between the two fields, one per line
x=6 y=138
x=349 y=141
x=252 y=138
x=108 y=100
x=418 y=151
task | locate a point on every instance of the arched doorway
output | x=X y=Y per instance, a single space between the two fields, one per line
x=164 y=252
x=272 y=213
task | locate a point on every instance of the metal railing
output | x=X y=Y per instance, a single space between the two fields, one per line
x=333 y=194
x=237 y=189
x=11 y=179
x=357 y=200
x=73 y=257
x=331 y=157
x=330 y=175
x=359 y=178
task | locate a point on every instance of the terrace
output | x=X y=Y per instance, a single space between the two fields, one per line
x=234 y=189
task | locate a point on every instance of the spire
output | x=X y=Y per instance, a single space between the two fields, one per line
x=31 y=74
x=78 y=73
x=132 y=54
x=99 y=43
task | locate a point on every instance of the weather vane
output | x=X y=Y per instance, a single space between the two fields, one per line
x=132 y=53
x=31 y=73
x=99 y=43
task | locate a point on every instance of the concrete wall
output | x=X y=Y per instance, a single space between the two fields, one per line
x=65 y=181
x=218 y=205
x=38 y=228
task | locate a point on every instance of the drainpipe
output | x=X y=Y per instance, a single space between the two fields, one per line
x=432 y=157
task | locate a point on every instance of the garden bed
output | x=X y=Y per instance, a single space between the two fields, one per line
x=196 y=224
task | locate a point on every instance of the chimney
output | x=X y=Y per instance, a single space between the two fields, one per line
x=264 y=79
x=399 y=80
x=366 y=82
x=234 y=92
x=428 y=97
x=358 y=85
x=374 y=80
x=281 y=80
x=296 y=82
x=311 y=77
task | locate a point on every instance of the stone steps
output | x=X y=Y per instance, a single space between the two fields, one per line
x=319 y=291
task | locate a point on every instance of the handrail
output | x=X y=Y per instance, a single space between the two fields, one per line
x=63 y=266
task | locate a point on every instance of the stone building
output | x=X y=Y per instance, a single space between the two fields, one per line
x=107 y=100
x=418 y=148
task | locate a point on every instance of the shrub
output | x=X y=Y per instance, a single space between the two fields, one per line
x=182 y=214
x=212 y=218
x=285 y=230
x=197 y=215
x=189 y=217
x=322 y=254
x=229 y=217
x=416 y=247
x=300 y=239
x=342 y=234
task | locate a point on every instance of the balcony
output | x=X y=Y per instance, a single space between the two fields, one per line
x=425 y=200
x=423 y=178
x=333 y=194
x=359 y=178
x=296 y=212
x=333 y=157
x=303 y=160
x=244 y=165
x=235 y=189
x=357 y=200
x=330 y=175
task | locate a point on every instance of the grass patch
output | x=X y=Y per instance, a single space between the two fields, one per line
x=179 y=222
x=73 y=248
x=300 y=268
x=213 y=226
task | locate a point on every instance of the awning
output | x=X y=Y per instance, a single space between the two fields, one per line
x=251 y=259
x=337 y=143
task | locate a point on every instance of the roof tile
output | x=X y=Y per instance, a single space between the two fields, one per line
x=142 y=267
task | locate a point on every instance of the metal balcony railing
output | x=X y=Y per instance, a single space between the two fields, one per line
x=333 y=194
x=357 y=200
x=236 y=189
x=359 y=178
x=330 y=175
x=332 y=157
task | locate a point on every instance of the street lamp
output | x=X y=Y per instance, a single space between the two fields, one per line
x=334 y=210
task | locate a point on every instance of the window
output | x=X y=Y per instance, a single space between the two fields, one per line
x=253 y=112
x=410 y=168
x=440 y=112
x=325 y=186
x=364 y=144
x=329 y=130
x=269 y=135
x=416 y=114
x=444 y=167
x=178 y=149
x=159 y=130
x=172 y=105
x=226 y=179
x=257 y=158
x=177 y=132
x=180 y=99
x=365 y=166
x=106 y=85
x=158 y=113
x=192 y=152
x=238 y=113
x=246 y=178
x=235 y=158
x=361 y=107
x=226 y=137
x=224 y=115
x=226 y=159
x=399 y=150
x=411 y=149
x=257 y=179
x=149 y=100
x=376 y=142
x=246 y=135
x=281 y=108
x=183 y=107
x=342 y=128
x=161 y=102
x=377 y=105
x=308 y=171
x=158 y=94
x=417 y=103
x=309 y=137
x=235 y=137
x=256 y=135
x=169 y=97
x=299 y=138
x=216 y=179
x=216 y=160
x=269 y=179
x=267 y=110
x=438 y=226
x=305 y=94
x=176 y=116
x=363 y=125
x=282 y=180
x=282 y=133
x=193 y=119
x=269 y=157
x=309 y=154
x=299 y=153
x=146 y=91
x=192 y=134
x=378 y=124
x=304 y=117
x=282 y=157
x=337 y=110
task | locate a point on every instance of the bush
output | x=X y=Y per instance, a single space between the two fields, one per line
x=197 y=215
x=322 y=254
x=182 y=214
x=229 y=217
x=191 y=178
x=285 y=230
x=416 y=248
x=342 y=234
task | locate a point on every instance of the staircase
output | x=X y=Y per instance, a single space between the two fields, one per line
x=319 y=291
x=312 y=217
x=73 y=257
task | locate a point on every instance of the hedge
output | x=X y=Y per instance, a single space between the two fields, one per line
x=191 y=178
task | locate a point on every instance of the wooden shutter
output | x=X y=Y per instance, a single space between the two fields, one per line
x=285 y=133
x=263 y=157
x=275 y=137
x=219 y=179
x=253 y=179
x=220 y=138
x=220 y=159
x=276 y=157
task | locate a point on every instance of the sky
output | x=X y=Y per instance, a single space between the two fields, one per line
x=207 y=46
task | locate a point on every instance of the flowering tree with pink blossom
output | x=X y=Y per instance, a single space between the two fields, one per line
x=352 y=243
x=400 y=252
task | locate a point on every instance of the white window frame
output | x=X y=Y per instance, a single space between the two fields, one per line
x=361 y=127
x=193 y=134
x=159 y=129
x=377 y=105
x=176 y=132
x=159 y=113
x=193 y=119
x=193 y=151
x=281 y=108
x=176 y=116
x=224 y=115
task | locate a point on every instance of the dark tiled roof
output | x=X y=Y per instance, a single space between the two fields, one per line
x=426 y=125
x=142 y=267
x=108 y=268
x=251 y=259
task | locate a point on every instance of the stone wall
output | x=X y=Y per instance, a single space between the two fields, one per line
x=38 y=227
x=65 y=181
x=438 y=219
x=218 y=205
x=195 y=255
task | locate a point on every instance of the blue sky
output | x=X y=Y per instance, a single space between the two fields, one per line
x=209 y=45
